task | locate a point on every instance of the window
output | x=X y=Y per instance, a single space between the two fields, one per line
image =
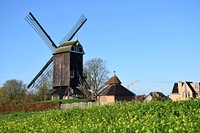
x=71 y=73
x=183 y=94
x=73 y=48
x=188 y=94
x=80 y=49
x=77 y=48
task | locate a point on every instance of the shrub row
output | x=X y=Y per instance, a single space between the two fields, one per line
x=29 y=107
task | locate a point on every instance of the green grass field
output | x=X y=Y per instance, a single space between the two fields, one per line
x=153 y=117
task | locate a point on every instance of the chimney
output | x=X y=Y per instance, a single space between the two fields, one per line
x=179 y=86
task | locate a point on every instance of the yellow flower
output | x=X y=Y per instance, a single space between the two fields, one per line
x=170 y=130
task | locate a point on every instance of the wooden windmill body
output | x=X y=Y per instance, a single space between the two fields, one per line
x=67 y=60
x=68 y=68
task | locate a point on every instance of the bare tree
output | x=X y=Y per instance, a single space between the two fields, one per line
x=97 y=73
x=87 y=93
x=12 y=92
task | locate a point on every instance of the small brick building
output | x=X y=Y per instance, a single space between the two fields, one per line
x=113 y=91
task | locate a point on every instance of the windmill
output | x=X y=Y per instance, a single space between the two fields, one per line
x=67 y=60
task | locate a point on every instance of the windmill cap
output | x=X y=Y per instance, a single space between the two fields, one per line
x=69 y=43
x=67 y=46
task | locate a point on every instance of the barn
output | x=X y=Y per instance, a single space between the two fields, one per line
x=113 y=91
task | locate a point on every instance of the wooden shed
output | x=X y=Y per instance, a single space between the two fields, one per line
x=113 y=91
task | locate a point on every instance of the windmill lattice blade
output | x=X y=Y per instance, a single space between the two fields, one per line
x=42 y=71
x=75 y=29
x=45 y=79
x=41 y=32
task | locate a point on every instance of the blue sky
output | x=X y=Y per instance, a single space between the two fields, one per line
x=154 y=41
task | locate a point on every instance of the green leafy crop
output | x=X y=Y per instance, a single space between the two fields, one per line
x=152 y=117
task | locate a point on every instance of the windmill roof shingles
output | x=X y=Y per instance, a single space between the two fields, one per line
x=67 y=46
x=69 y=43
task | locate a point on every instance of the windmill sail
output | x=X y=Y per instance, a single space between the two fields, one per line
x=45 y=78
x=41 y=72
x=75 y=29
x=41 y=32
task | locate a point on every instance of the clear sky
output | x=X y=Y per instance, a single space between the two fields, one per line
x=154 y=41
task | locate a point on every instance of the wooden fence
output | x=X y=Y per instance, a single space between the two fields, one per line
x=79 y=105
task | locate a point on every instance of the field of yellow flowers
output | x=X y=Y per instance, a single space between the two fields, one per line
x=168 y=116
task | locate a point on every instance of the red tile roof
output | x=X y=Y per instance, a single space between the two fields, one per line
x=113 y=87
x=113 y=80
